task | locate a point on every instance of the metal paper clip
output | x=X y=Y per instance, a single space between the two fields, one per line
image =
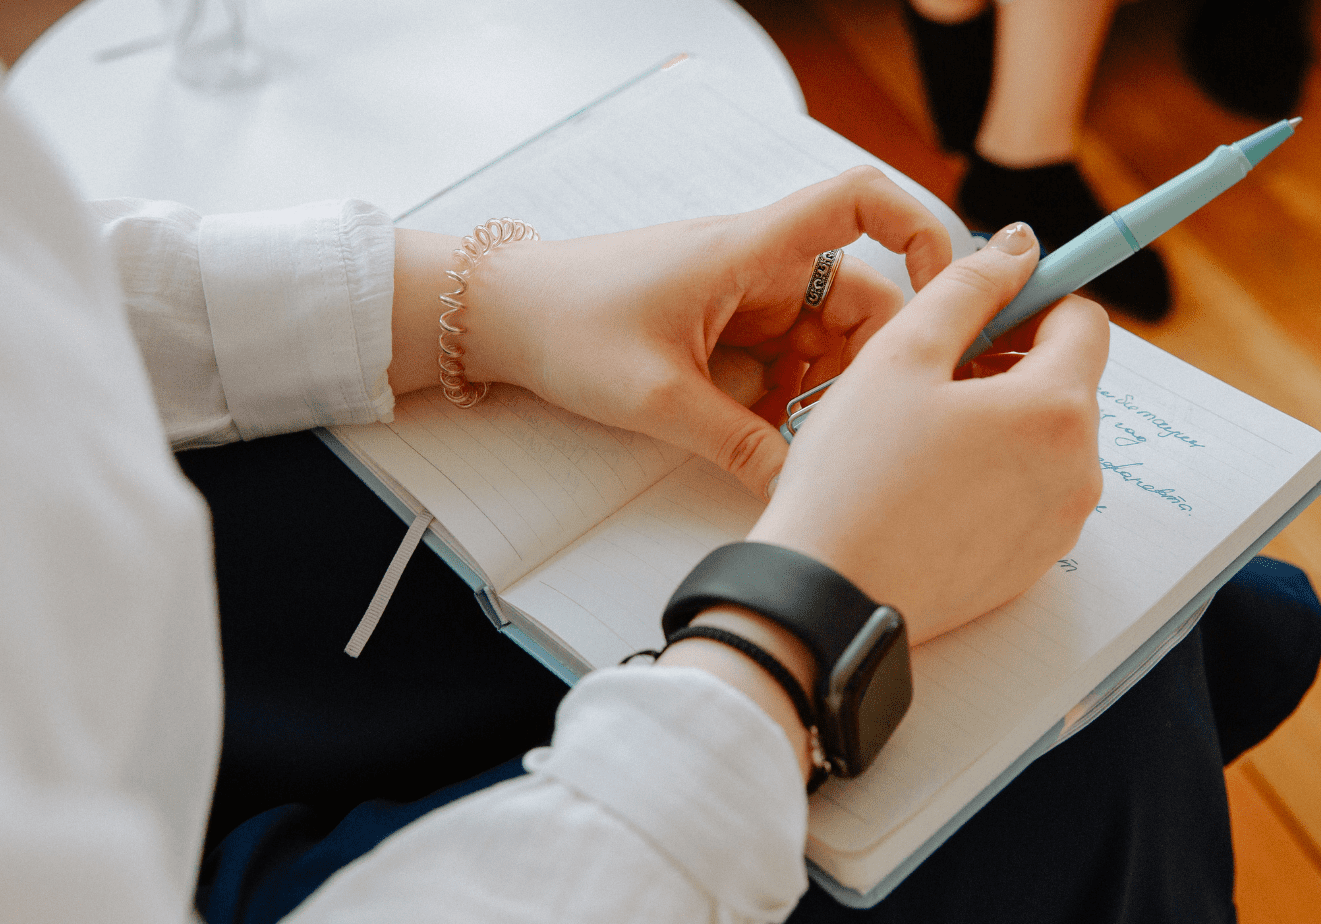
x=798 y=409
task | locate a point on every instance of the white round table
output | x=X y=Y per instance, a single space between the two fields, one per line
x=387 y=101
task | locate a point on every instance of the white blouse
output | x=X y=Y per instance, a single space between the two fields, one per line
x=665 y=796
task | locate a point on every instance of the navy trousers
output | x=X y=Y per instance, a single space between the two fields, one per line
x=325 y=755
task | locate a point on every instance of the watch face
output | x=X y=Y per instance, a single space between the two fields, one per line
x=869 y=692
x=882 y=700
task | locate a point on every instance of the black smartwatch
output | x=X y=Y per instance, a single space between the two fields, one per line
x=864 y=684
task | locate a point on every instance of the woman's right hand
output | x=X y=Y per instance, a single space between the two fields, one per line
x=947 y=497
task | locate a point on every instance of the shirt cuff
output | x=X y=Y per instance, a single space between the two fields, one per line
x=698 y=770
x=299 y=303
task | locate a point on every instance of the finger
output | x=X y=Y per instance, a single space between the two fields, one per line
x=1070 y=346
x=809 y=338
x=942 y=320
x=860 y=201
x=785 y=383
x=859 y=303
x=825 y=367
x=860 y=306
x=714 y=426
x=1019 y=339
x=855 y=309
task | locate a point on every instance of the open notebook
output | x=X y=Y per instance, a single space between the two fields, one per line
x=573 y=535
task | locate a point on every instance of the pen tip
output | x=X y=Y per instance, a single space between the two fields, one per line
x=1293 y=123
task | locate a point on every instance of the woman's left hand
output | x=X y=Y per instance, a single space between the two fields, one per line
x=621 y=328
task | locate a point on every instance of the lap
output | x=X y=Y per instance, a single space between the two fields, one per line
x=1125 y=821
x=324 y=755
x=436 y=696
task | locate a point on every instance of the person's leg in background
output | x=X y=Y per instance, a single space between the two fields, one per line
x=1026 y=94
x=1252 y=58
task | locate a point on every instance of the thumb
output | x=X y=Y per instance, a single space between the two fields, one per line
x=945 y=317
x=715 y=426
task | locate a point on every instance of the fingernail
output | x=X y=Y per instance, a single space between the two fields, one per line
x=772 y=485
x=1015 y=240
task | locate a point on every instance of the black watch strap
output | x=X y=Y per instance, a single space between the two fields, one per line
x=864 y=684
x=780 y=584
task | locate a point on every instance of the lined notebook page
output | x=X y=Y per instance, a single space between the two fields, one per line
x=514 y=478
x=603 y=595
x=1195 y=470
x=667 y=148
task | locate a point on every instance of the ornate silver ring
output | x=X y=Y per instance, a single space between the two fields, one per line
x=823 y=274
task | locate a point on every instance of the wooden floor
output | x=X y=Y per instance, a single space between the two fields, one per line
x=1246 y=275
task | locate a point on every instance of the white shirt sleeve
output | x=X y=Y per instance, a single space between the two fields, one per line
x=257 y=323
x=666 y=796
x=110 y=702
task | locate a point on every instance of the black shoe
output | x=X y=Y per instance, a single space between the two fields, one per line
x=1055 y=200
x=956 y=62
x=1251 y=56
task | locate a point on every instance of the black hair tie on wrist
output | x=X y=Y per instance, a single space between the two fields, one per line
x=779 y=673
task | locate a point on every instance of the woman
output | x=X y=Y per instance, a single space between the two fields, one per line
x=256 y=325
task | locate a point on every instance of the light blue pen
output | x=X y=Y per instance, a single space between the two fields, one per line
x=1110 y=241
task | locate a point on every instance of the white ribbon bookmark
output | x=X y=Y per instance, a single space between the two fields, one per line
x=382 y=596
